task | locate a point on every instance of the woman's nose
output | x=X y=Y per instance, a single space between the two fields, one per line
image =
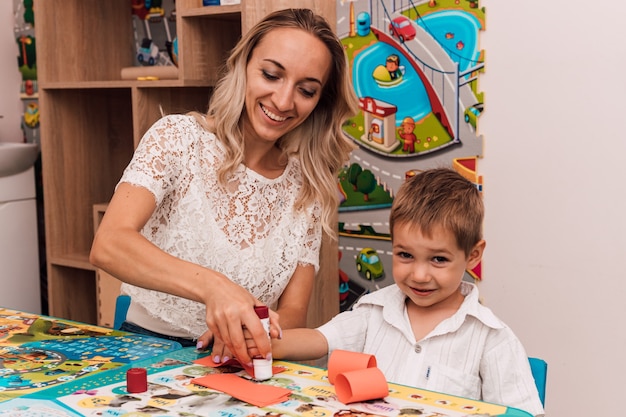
x=283 y=98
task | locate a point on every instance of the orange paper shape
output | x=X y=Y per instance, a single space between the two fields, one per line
x=208 y=361
x=344 y=361
x=361 y=385
x=250 y=392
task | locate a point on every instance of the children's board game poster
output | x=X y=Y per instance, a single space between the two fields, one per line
x=415 y=69
x=40 y=352
x=171 y=391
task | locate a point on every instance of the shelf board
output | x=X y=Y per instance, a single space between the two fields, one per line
x=77 y=85
x=73 y=260
x=222 y=12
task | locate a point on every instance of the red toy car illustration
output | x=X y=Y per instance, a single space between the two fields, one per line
x=401 y=28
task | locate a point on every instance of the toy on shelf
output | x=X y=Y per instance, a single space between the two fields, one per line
x=152 y=14
x=148 y=52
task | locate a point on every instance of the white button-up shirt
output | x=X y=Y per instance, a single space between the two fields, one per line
x=472 y=354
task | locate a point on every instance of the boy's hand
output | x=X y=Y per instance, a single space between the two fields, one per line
x=275 y=333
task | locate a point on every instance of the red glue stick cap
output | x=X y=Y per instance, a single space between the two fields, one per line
x=136 y=380
x=262 y=312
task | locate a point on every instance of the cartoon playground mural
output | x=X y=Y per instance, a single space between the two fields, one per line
x=415 y=68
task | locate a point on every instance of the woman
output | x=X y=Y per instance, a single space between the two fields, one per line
x=217 y=213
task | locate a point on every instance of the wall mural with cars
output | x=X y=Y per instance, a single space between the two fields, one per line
x=415 y=69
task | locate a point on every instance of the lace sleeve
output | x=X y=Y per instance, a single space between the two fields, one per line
x=157 y=159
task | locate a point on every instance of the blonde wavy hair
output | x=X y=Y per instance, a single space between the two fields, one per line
x=319 y=142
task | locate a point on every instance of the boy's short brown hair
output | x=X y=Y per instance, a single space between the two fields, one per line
x=440 y=197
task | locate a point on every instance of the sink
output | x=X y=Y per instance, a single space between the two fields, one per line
x=17 y=157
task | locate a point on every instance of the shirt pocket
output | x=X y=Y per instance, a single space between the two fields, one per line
x=452 y=381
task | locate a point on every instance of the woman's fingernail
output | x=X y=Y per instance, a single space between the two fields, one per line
x=225 y=359
x=268 y=356
x=199 y=345
x=216 y=359
x=280 y=334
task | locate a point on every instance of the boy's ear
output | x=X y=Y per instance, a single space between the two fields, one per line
x=476 y=254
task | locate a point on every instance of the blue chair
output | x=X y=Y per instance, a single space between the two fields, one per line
x=121 y=308
x=539 y=369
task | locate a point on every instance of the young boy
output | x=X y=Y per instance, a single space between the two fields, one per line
x=429 y=329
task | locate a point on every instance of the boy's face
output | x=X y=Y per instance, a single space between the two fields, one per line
x=429 y=270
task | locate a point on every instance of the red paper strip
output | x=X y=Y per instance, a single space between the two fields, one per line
x=253 y=393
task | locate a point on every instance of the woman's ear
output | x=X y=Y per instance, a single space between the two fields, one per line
x=476 y=254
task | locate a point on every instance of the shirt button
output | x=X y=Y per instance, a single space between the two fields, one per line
x=418 y=349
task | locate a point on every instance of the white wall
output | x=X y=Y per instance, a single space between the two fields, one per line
x=554 y=172
x=10 y=78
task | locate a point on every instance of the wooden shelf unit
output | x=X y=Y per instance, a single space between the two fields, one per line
x=92 y=120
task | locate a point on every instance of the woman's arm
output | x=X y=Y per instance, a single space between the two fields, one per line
x=293 y=304
x=121 y=250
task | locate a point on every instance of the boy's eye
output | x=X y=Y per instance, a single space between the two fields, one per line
x=440 y=259
x=404 y=255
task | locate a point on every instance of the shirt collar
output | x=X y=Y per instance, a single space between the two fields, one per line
x=392 y=301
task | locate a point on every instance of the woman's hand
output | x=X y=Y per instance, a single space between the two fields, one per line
x=219 y=351
x=230 y=309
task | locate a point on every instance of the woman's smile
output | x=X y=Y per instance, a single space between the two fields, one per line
x=272 y=115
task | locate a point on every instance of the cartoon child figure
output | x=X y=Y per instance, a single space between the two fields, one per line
x=393 y=66
x=405 y=131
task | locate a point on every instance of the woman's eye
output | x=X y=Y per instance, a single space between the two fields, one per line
x=308 y=93
x=269 y=76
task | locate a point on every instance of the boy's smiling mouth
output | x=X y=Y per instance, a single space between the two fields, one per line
x=422 y=292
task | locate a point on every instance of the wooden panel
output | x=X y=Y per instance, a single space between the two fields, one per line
x=325 y=299
x=71 y=294
x=204 y=44
x=83 y=40
x=86 y=143
x=148 y=103
x=254 y=10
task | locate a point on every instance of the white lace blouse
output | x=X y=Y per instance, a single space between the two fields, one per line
x=247 y=230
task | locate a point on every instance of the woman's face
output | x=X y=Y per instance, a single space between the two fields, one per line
x=285 y=77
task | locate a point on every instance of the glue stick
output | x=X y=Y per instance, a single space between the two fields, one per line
x=263 y=367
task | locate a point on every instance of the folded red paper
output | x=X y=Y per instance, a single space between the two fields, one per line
x=344 y=360
x=361 y=385
x=253 y=393
x=208 y=361
x=356 y=377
